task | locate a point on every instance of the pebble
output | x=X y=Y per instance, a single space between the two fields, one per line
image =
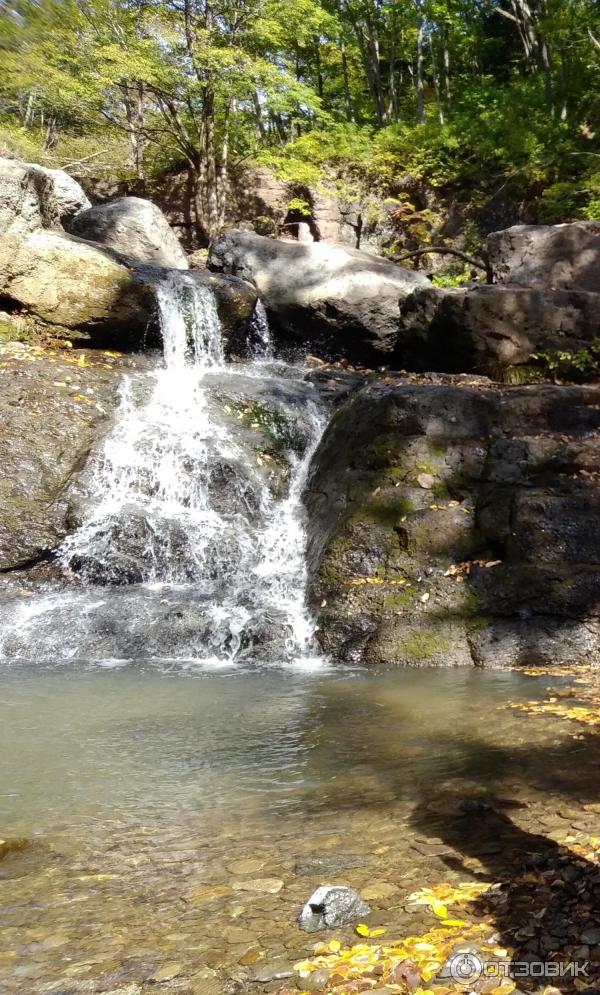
x=166 y=973
x=317 y=981
x=379 y=890
x=268 y=886
x=249 y=866
x=590 y=937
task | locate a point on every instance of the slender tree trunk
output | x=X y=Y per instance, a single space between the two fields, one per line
x=436 y=82
x=318 y=67
x=447 y=88
x=420 y=81
x=347 y=100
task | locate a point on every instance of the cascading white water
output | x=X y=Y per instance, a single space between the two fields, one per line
x=188 y=551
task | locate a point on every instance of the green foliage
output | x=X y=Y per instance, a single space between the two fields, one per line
x=582 y=365
x=314 y=89
x=454 y=274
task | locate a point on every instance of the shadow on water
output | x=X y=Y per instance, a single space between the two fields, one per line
x=493 y=808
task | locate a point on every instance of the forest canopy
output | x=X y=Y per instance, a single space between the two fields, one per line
x=464 y=93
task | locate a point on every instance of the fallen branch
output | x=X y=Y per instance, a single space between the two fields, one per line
x=482 y=263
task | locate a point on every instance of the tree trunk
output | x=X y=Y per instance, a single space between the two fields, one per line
x=347 y=100
x=420 y=81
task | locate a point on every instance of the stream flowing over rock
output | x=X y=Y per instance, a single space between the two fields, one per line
x=187 y=537
x=457 y=522
x=340 y=301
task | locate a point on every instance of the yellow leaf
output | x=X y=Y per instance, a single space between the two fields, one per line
x=438 y=908
x=378 y=932
x=362 y=929
x=334 y=946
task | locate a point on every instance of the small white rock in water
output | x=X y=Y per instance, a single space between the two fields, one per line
x=330 y=906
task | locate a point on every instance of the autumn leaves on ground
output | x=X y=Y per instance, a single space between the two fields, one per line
x=542 y=906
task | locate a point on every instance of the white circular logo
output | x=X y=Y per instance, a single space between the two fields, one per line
x=465 y=968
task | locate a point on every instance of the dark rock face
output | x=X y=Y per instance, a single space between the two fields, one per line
x=545 y=304
x=548 y=256
x=53 y=409
x=134 y=227
x=456 y=523
x=340 y=300
x=489 y=328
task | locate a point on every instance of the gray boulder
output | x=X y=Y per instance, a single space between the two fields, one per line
x=33 y=197
x=134 y=227
x=331 y=906
x=487 y=329
x=68 y=282
x=340 y=300
x=454 y=522
x=548 y=256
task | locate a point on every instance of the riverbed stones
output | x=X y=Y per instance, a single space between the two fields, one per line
x=264 y=886
x=496 y=564
x=331 y=906
x=342 y=301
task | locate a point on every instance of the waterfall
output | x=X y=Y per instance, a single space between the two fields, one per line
x=192 y=550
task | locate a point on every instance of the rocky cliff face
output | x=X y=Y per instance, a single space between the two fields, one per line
x=455 y=522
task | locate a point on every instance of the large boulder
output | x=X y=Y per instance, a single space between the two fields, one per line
x=53 y=407
x=68 y=282
x=33 y=197
x=552 y=257
x=134 y=227
x=454 y=522
x=340 y=300
x=491 y=329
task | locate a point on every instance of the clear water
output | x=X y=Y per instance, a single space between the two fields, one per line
x=156 y=807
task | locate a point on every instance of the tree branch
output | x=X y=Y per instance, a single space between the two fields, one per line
x=482 y=263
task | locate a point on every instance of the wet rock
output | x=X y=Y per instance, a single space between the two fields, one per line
x=316 y=981
x=166 y=973
x=378 y=891
x=11 y=846
x=52 y=411
x=134 y=227
x=272 y=971
x=343 y=301
x=247 y=865
x=331 y=906
x=309 y=866
x=496 y=563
